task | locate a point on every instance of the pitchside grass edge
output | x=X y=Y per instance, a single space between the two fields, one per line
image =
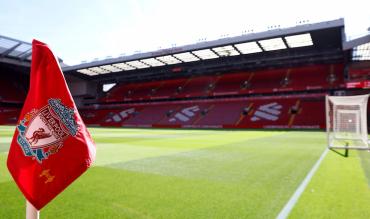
x=146 y=173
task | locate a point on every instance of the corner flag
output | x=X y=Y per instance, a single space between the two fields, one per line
x=51 y=146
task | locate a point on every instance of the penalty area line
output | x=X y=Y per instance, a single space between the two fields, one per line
x=284 y=213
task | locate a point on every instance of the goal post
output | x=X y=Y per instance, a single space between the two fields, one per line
x=346 y=122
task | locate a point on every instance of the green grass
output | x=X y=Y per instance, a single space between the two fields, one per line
x=144 y=173
x=339 y=189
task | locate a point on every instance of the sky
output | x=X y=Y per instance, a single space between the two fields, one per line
x=79 y=30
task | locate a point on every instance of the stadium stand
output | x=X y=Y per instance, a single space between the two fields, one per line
x=359 y=74
x=12 y=89
x=12 y=95
x=317 y=77
x=169 y=88
x=231 y=84
x=276 y=79
x=196 y=87
x=314 y=77
x=9 y=115
x=264 y=81
x=292 y=111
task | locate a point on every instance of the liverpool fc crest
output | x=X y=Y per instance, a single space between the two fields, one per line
x=42 y=132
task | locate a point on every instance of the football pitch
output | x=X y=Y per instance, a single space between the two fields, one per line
x=162 y=173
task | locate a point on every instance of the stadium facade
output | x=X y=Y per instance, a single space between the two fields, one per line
x=272 y=79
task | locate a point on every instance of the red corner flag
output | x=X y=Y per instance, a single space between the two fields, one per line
x=51 y=146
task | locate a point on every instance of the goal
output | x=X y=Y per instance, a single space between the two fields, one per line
x=346 y=122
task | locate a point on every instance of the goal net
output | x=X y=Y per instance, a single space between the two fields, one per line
x=346 y=121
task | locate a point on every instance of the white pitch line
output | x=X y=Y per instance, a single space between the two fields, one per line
x=284 y=213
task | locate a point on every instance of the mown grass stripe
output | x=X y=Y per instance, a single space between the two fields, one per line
x=284 y=213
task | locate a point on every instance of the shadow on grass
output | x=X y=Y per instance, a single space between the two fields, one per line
x=344 y=154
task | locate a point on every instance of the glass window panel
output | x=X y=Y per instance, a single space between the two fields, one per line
x=99 y=70
x=205 y=54
x=124 y=66
x=272 y=44
x=152 y=62
x=186 y=57
x=111 y=68
x=248 y=48
x=170 y=60
x=226 y=51
x=299 y=40
x=137 y=64
x=87 y=72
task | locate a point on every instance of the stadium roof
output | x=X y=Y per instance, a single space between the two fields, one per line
x=306 y=43
x=361 y=52
x=17 y=52
x=360 y=48
x=308 y=36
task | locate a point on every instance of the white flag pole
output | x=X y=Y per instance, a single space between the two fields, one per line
x=31 y=212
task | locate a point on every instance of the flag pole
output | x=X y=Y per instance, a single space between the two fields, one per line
x=31 y=212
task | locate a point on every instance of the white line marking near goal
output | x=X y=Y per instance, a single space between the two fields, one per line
x=284 y=213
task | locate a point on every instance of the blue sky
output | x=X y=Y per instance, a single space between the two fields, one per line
x=84 y=30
